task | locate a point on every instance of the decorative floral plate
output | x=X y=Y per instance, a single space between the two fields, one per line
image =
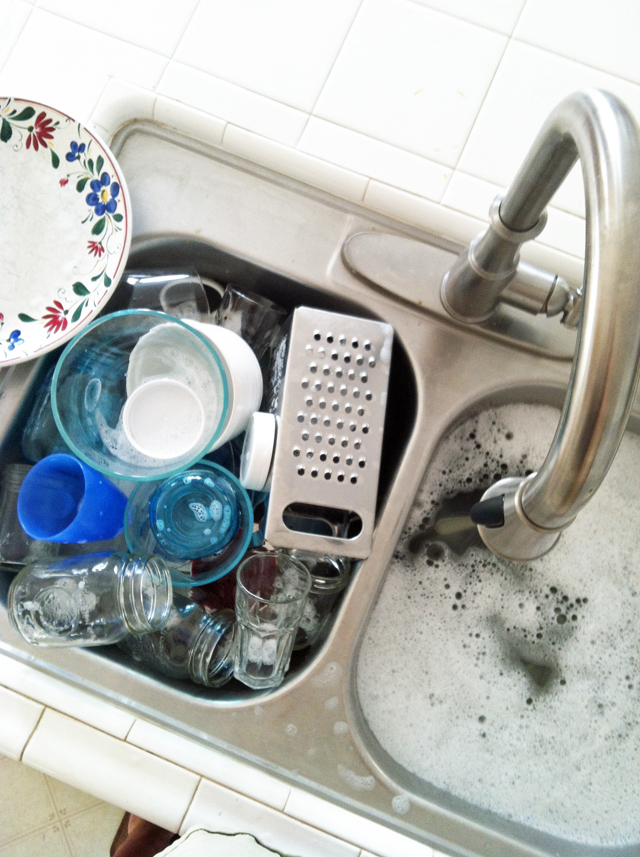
x=65 y=223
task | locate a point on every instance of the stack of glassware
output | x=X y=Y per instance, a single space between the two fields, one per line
x=129 y=523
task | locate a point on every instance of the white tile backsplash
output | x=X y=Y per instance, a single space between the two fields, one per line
x=194 y=123
x=527 y=86
x=412 y=77
x=13 y=17
x=283 y=49
x=362 y=154
x=500 y=15
x=598 y=34
x=151 y=26
x=232 y=103
x=67 y=66
x=291 y=162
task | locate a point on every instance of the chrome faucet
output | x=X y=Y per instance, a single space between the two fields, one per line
x=522 y=518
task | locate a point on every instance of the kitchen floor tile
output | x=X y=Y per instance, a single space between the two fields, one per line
x=69 y=801
x=528 y=85
x=500 y=15
x=90 y=833
x=603 y=35
x=42 y=816
x=26 y=801
x=412 y=77
x=48 y=842
x=285 y=53
x=130 y=22
x=84 y=62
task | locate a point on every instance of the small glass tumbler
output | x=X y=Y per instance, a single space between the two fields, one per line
x=90 y=600
x=178 y=292
x=329 y=576
x=253 y=317
x=193 y=645
x=270 y=598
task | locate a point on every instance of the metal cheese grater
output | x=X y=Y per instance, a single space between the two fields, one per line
x=330 y=393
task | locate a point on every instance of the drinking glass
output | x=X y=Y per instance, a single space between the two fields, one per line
x=270 y=599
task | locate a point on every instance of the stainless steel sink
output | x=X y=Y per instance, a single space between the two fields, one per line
x=240 y=223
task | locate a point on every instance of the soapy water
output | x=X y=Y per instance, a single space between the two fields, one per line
x=521 y=692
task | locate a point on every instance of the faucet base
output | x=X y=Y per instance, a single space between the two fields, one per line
x=518 y=539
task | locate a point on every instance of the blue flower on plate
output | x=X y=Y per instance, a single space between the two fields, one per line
x=14 y=339
x=103 y=196
x=76 y=151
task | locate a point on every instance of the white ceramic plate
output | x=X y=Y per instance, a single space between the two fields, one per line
x=65 y=223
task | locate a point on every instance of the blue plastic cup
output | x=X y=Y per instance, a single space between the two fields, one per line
x=62 y=499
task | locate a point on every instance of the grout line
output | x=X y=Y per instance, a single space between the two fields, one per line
x=438 y=10
x=193 y=797
x=335 y=60
x=126 y=737
x=33 y=731
x=55 y=806
x=17 y=38
x=186 y=27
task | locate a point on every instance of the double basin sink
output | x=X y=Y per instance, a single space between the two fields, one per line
x=236 y=222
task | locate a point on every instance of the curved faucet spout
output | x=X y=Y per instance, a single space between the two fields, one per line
x=595 y=127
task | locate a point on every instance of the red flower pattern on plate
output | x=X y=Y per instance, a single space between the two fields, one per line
x=41 y=132
x=96 y=248
x=56 y=318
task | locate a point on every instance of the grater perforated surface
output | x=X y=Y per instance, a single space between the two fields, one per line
x=331 y=410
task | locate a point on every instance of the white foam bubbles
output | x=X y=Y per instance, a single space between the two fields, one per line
x=521 y=694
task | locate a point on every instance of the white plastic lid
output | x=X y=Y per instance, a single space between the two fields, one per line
x=163 y=418
x=257 y=452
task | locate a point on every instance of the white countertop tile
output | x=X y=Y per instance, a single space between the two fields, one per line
x=528 y=85
x=64 y=697
x=298 y=165
x=603 y=35
x=194 y=123
x=283 y=49
x=228 y=812
x=378 y=160
x=500 y=15
x=112 y=770
x=411 y=77
x=158 y=27
x=18 y=719
x=84 y=61
x=211 y=763
x=232 y=103
x=12 y=21
x=121 y=102
x=355 y=828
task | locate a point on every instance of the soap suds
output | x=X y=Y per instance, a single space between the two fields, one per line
x=521 y=692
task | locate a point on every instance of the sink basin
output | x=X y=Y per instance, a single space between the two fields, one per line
x=240 y=223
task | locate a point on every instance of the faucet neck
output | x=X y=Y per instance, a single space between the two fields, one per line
x=596 y=128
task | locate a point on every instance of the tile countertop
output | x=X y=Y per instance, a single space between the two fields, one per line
x=419 y=109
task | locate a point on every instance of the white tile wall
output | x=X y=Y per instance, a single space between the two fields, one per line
x=283 y=49
x=397 y=79
x=401 y=103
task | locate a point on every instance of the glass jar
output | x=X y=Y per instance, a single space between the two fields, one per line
x=193 y=645
x=90 y=600
x=329 y=576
